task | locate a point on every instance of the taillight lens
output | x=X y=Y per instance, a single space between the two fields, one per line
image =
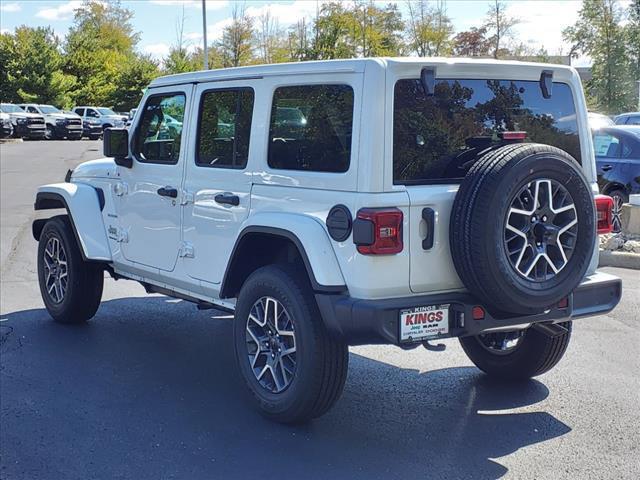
x=604 y=212
x=385 y=227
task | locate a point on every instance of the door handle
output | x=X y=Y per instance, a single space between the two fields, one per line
x=606 y=168
x=168 y=192
x=227 y=199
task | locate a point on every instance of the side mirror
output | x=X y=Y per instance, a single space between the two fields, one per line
x=115 y=144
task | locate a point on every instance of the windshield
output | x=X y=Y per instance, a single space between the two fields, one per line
x=106 y=111
x=47 y=109
x=437 y=137
x=8 y=108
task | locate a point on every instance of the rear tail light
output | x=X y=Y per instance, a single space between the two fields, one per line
x=511 y=136
x=478 y=313
x=378 y=231
x=604 y=212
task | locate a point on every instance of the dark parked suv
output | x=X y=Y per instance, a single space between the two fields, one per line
x=617 y=152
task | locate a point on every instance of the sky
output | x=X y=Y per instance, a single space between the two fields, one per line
x=541 y=21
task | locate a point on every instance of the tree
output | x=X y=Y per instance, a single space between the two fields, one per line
x=236 y=44
x=429 y=29
x=99 y=42
x=334 y=31
x=500 y=25
x=32 y=67
x=270 y=40
x=472 y=43
x=598 y=33
x=179 y=60
x=376 y=31
x=134 y=76
x=633 y=42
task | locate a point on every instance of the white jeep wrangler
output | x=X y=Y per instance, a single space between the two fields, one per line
x=336 y=203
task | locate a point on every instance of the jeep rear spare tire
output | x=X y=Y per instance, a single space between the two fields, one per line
x=522 y=228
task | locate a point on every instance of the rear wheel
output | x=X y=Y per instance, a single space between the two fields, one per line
x=294 y=370
x=619 y=199
x=517 y=354
x=71 y=288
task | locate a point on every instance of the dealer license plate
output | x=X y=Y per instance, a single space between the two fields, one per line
x=420 y=323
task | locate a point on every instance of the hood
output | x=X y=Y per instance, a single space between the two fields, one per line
x=63 y=115
x=24 y=115
x=101 y=168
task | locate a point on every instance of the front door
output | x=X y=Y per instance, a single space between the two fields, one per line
x=148 y=194
x=218 y=180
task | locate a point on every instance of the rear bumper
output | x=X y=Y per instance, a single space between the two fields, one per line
x=361 y=322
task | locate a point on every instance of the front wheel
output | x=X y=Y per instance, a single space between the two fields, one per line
x=517 y=355
x=71 y=287
x=294 y=370
x=49 y=133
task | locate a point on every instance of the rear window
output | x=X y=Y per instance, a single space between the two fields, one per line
x=310 y=128
x=435 y=138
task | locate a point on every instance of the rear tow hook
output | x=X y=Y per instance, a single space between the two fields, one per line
x=440 y=347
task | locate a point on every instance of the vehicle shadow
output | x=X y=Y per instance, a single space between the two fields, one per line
x=149 y=389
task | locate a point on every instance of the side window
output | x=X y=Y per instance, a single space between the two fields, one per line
x=32 y=110
x=92 y=113
x=606 y=145
x=311 y=128
x=633 y=120
x=224 y=128
x=159 y=131
x=79 y=111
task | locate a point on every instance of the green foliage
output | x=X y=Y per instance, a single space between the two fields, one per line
x=633 y=42
x=32 y=65
x=132 y=79
x=429 y=29
x=100 y=54
x=599 y=34
x=236 y=45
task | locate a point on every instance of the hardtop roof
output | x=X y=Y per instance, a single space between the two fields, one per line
x=334 y=66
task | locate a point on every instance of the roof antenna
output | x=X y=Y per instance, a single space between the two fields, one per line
x=546 y=83
x=428 y=79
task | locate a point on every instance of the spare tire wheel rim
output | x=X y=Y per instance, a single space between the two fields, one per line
x=541 y=229
x=271 y=344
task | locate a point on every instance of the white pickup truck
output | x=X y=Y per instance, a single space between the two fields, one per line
x=336 y=203
x=58 y=123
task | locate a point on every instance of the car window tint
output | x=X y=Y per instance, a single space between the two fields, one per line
x=32 y=110
x=438 y=137
x=159 y=132
x=92 y=113
x=80 y=111
x=311 y=128
x=606 y=145
x=224 y=128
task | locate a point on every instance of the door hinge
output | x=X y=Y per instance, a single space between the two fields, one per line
x=186 y=250
x=186 y=197
x=120 y=189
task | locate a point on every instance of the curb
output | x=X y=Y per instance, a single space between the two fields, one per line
x=619 y=259
x=10 y=140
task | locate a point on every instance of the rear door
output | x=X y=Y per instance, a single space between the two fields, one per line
x=218 y=181
x=437 y=138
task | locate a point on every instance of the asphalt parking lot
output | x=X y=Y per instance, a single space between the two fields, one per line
x=149 y=389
